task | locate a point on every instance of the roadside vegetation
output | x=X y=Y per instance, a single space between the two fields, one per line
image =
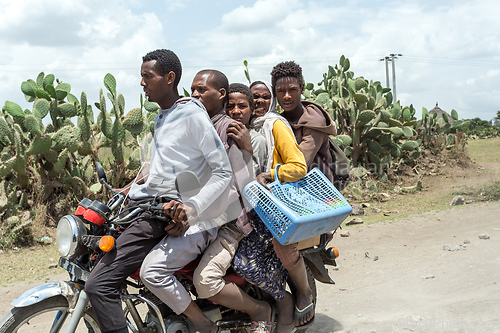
x=482 y=129
x=489 y=192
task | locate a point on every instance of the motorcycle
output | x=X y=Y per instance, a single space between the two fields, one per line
x=84 y=237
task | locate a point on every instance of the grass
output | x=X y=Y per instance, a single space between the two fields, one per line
x=402 y=206
x=36 y=263
x=485 y=150
x=489 y=192
x=443 y=189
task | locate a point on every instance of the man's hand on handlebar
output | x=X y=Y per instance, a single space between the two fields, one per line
x=179 y=214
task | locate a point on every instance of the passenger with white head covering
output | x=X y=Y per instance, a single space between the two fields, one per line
x=281 y=143
x=264 y=99
x=255 y=259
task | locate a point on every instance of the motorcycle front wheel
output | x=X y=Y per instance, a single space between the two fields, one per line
x=50 y=315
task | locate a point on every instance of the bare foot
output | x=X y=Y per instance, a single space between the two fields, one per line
x=200 y=322
x=303 y=302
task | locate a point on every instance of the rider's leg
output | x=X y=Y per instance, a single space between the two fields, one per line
x=285 y=322
x=125 y=259
x=294 y=263
x=209 y=276
x=231 y=296
x=170 y=255
x=201 y=322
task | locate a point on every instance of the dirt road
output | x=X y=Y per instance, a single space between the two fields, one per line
x=398 y=277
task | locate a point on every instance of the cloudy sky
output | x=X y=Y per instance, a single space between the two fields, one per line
x=450 y=48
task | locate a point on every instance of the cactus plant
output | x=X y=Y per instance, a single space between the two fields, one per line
x=364 y=112
x=438 y=133
x=55 y=144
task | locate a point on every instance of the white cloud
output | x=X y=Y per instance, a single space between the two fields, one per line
x=48 y=22
x=261 y=16
x=443 y=43
x=111 y=39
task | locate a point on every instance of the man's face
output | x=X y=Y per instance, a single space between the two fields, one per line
x=261 y=99
x=153 y=83
x=202 y=89
x=288 y=93
x=238 y=108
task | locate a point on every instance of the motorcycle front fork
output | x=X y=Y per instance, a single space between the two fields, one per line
x=76 y=315
x=82 y=303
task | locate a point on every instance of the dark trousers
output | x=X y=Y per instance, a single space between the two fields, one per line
x=103 y=285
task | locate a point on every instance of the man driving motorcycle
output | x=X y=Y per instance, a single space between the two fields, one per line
x=210 y=87
x=184 y=139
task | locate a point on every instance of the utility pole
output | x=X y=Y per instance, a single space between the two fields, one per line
x=386 y=59
x=392 y=57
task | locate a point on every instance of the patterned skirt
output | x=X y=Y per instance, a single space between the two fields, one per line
x=257 y=263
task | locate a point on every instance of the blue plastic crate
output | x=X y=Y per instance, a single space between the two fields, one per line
x=300 y=210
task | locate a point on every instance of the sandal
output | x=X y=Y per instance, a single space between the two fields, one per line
x=260 y=327
x=299 y=313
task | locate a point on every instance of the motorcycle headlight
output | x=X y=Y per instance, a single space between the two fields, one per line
x=70 y=230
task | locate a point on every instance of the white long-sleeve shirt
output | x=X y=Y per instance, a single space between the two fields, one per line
x=185 y=139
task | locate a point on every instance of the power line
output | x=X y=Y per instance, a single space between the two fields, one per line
x=453 y=61
x=79 y=67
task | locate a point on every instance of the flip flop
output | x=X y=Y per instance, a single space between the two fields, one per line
x=260 y=327
x=299 y=313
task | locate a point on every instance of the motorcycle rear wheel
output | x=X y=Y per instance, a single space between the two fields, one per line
x=41 y=317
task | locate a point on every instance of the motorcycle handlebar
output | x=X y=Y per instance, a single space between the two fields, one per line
x=151 y=208
x=156 y=211
x=156 y=208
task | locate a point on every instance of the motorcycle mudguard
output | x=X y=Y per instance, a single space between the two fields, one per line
x=314 y=261
x=69 y=290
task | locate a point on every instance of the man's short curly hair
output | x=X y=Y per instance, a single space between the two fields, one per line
x=218 y=80
x=243 y=89
x=166 y=61
x=285 y=69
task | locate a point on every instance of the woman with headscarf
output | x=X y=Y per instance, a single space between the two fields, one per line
x=279 y=136
x=255 y=259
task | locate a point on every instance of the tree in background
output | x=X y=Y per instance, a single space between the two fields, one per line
x=496 y=120
x=479 y=128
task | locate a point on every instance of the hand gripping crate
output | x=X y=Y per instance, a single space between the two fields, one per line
x=300 y=210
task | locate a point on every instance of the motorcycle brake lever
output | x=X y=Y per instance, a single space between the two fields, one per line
x=158 y=211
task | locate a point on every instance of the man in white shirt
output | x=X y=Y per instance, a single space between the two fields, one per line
x=184 y=139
